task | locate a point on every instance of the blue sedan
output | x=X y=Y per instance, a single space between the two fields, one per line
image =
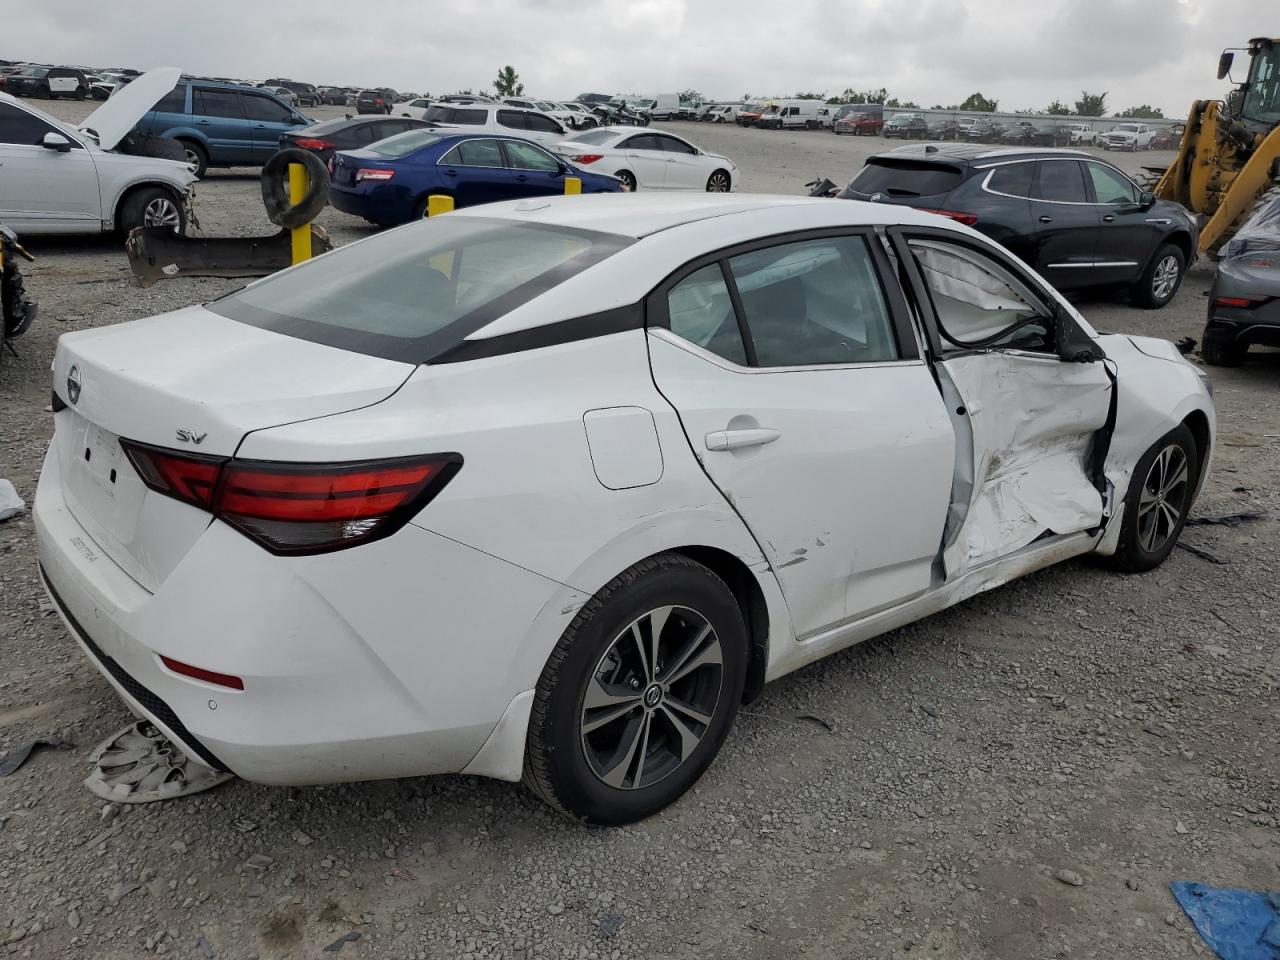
x=388 y=182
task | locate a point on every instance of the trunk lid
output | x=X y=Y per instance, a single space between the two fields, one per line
x=193 y=382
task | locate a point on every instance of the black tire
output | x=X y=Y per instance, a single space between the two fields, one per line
x=557 y=764
x=79 y=93
x=629 y=179
x=1136 y=551
x=1217 y=353
x=197 y=155
x=719 y=182
x=151 y=207
x=1154 y=290
x=275 y=190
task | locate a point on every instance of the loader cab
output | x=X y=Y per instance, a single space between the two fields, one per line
x=1260 y=93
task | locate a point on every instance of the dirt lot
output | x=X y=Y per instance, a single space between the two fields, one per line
x=915 y=795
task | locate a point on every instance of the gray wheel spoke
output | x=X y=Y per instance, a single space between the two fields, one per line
x=1179 y=476
x=616 y=774
x=1147 y=534
x=1147 y=502
x=601 y=695
x=683 y=656
x=688 y=739
x=641 y=651
x=709 y=655
x=1170 y=518
x=697 y=716
x=657 y=621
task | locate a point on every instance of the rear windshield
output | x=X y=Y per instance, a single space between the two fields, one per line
x=327 y=126
x=414 y=293
x=462 y=115
x=905 y=178
x=596 y=138
x=403 y=144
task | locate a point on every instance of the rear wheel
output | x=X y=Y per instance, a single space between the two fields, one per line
x=1158 y=501
x=639 y=694
x=196 y=156
x=1161 y=279
x=1218 y=353
x=628 y=179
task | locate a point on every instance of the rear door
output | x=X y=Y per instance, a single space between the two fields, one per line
x=646 y=160
x=1066 y=223
x=1127 y=235
x=220 y=115
x=1025 y=421
x=799 y=383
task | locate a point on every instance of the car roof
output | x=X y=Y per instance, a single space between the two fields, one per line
x=642 y=214
x=972 y=152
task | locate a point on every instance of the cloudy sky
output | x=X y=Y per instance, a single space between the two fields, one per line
x=1025 y=54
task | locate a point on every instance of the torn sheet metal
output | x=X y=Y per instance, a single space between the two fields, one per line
x=1032 y=421
x=138 y=764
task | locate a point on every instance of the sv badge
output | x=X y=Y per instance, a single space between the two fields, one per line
x=190 y=436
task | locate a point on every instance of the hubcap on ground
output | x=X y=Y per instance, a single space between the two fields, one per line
x=651 y=698
x=161 y=212
x=1164 y=495
x=1165 y=278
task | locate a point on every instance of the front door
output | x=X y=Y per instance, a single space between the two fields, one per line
x=646 y=160
x=685 y=168
x=1128 y=235
x=801 y=391
x=1066 y=223
x=1025 y=420
x=40 y=188
x=534 y=172
x=475 y=171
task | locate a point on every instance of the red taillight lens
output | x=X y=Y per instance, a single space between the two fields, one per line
x=200 y=673
x=309 y=143
x=968 y=219
x=184 y=477
x=1246 y=303
x=372 y=173
x=586 y=157
x=299 y=507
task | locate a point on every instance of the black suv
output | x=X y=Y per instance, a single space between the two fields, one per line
x=376 y=100
x=1075 y=218
x=307 y=94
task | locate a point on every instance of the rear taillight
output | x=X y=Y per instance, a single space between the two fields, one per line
x=968 y=219
x=373 y=173
x=308 y=143
x=200 y=673
x=1244 y=303
x=296 y=508
x=586 y=157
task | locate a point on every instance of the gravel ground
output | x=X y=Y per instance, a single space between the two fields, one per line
x=1018 y=777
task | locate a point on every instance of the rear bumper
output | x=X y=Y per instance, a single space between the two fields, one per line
x=380 y=202
x=386 y=660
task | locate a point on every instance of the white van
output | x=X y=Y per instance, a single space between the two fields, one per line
x=665 y=107
x=791 y=114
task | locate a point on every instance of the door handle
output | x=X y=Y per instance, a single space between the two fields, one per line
x=521 y=177
x=203 y=123
x=1109 y=218
x=1046 y=219
x=737 y=439
x=451 y=173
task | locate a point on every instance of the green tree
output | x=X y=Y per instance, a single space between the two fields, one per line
x=977 y=103
x=810 y=96
x=508 y=82
x=1144 y=112
x=895 y=102
x=1092 y=104
x=1057 y=109
x=691 y=96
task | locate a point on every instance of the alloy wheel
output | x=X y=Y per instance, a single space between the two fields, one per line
x=1164 y=497
x=162 y=212
x=1165 y=278
x=719 y=182
x=651 y=698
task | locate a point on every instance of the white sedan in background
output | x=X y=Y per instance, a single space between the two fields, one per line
x=416 y=109
x=651 y=159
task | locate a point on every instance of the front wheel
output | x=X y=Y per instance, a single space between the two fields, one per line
x=152 y=207
x=719 y=182
x=1158 y=501
x=639 y=694
x=1161 y=279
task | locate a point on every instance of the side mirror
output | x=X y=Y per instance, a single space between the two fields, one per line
x=1147 y=200
x=1224 y=64
x=56 y=141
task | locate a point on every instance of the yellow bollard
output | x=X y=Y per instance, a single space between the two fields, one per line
x=301 y=236
x=572 y=185
x=438 y=204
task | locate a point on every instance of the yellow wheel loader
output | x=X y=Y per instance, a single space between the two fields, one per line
x=1228 y=163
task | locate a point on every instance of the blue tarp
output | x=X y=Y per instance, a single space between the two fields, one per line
x=1237 y=924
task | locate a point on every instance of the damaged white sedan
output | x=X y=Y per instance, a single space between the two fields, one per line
x=547 y=489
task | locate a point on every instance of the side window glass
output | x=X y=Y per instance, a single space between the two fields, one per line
x=264 y=109
x=513 y=119
x=175 y=101
x=701 y=311
x=478 y=153
x=1061 y=181
x=1109 y=186
x=21 y=128
x=672 y=145
x=525 y=156
x=363 y=133
x=818 y=301
x=978 y=302
x=645 y=141
x=1013 y=179
x=218 y=103
x=543 y=124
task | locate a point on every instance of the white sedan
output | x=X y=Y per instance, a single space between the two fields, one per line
x=650 y=159
x=417 y=109
x=548 y=489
